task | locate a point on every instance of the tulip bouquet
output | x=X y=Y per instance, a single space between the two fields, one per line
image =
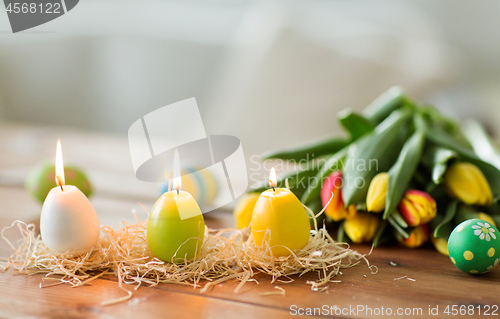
x=404 y=173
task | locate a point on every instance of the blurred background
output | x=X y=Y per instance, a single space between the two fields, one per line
x=273 y=73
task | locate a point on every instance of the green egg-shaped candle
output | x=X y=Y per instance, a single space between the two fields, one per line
x=176 y=227
x=474 y=246
x=41 y=180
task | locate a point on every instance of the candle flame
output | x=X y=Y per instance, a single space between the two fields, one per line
x=59 y=165
x=169 y=181
x=272 y=178
x=177 y=183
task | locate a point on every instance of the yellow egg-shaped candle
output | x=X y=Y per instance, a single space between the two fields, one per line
x=280 y=211
x=176 y=227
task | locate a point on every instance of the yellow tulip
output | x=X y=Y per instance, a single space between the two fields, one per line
x=243 y=211
x=441 y=245
x=418 y=237
x=417 y=207
x=377 y=193
x=467 y=183
x=362 y=227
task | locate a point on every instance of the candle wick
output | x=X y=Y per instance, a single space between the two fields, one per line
x=60 y=184
x=177 y=191
x=271 y=184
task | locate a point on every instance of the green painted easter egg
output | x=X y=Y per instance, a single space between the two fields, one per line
x=474 y=246
x=41 y=180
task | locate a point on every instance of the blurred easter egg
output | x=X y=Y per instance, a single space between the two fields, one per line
x=474 y=246
x=201 y=184
x=41 y=180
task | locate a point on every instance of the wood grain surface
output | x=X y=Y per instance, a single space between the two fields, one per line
x=434 y=279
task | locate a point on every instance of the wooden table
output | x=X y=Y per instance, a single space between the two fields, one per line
x=435 y=281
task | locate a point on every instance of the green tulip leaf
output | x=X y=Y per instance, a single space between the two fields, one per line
x=381 y=236
x=403 y=170
x=441 y=138
x=341 y=233
x=361 y=207
x=491 y=173
x=437 y=158
x=399 y=219
x=309 y=150
x=437 y=191
x=441 y=164
x=493 y=210
x=357 y=125
x=465 y=212
x=444 y=228
x=398 y=228
x=496 y=219
x=373 y=153
x=481 y=143
x=385 y=104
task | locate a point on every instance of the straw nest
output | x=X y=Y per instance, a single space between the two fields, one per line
x=225 y=254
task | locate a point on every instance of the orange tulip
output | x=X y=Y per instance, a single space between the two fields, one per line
x=417 y=207
x=418 y=237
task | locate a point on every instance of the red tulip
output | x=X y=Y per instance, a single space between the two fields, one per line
x=336 y=209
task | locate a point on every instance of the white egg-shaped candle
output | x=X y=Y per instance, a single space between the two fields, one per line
x=68 y=223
